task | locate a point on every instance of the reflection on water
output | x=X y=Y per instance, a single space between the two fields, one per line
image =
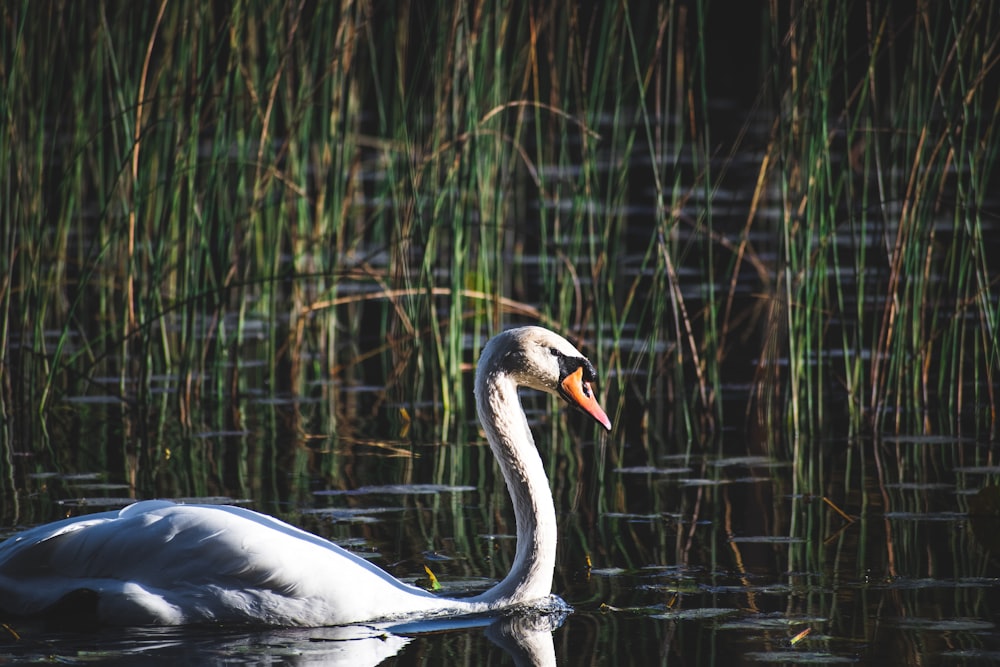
x=722 y=557
x=526 y=638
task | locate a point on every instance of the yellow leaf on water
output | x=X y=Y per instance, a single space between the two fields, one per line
x=435 y=584
x=799 y=637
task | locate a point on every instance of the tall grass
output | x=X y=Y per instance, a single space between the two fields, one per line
x=371 y=190
x=881 y=156
x=222 y=224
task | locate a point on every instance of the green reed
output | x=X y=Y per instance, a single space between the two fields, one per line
x=362 y=194
x=366 y=189
x=878 y=148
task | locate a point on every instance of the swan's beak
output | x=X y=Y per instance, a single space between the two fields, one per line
x=577 y=392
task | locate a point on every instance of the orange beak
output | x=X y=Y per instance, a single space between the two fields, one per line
x=577 y=391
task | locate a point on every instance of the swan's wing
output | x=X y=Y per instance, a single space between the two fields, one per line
x=157 y=562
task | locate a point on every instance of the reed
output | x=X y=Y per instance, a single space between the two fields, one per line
x=879 y=154
x=222 y=225
x=364 y=191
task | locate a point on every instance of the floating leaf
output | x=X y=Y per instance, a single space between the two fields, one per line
x=944 y=624
x=651 y=470
x=696 y=613
x=749 y=461
x=396 y=489
x=799 y=637
x=435 y=585
x=800 y=657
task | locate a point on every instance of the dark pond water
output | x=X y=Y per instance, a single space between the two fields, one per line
x=729 y=551
x=666 y=556
x=725 y=552
x=728 y=545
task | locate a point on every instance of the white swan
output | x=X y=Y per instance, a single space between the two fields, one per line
x=159 y=563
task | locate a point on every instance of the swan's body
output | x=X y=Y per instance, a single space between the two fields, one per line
x=159 y=563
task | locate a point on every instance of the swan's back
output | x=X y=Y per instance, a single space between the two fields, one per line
x=157 y=563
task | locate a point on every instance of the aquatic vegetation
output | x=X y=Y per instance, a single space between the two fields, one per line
x=307 y=180
x=778 y=242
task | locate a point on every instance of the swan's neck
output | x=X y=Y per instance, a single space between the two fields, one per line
x=506 y=427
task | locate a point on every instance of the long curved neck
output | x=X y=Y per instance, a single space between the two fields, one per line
x=502 y=417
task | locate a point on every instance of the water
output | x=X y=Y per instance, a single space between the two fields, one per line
x=313 y=370
x=721 y=552
x=731 y=550
x=706 y=557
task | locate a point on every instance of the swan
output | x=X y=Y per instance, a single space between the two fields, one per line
x=160 y=563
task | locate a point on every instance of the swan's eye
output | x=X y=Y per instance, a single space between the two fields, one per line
x=554 y=352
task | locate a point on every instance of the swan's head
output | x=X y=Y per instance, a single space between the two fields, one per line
x=540 y=359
